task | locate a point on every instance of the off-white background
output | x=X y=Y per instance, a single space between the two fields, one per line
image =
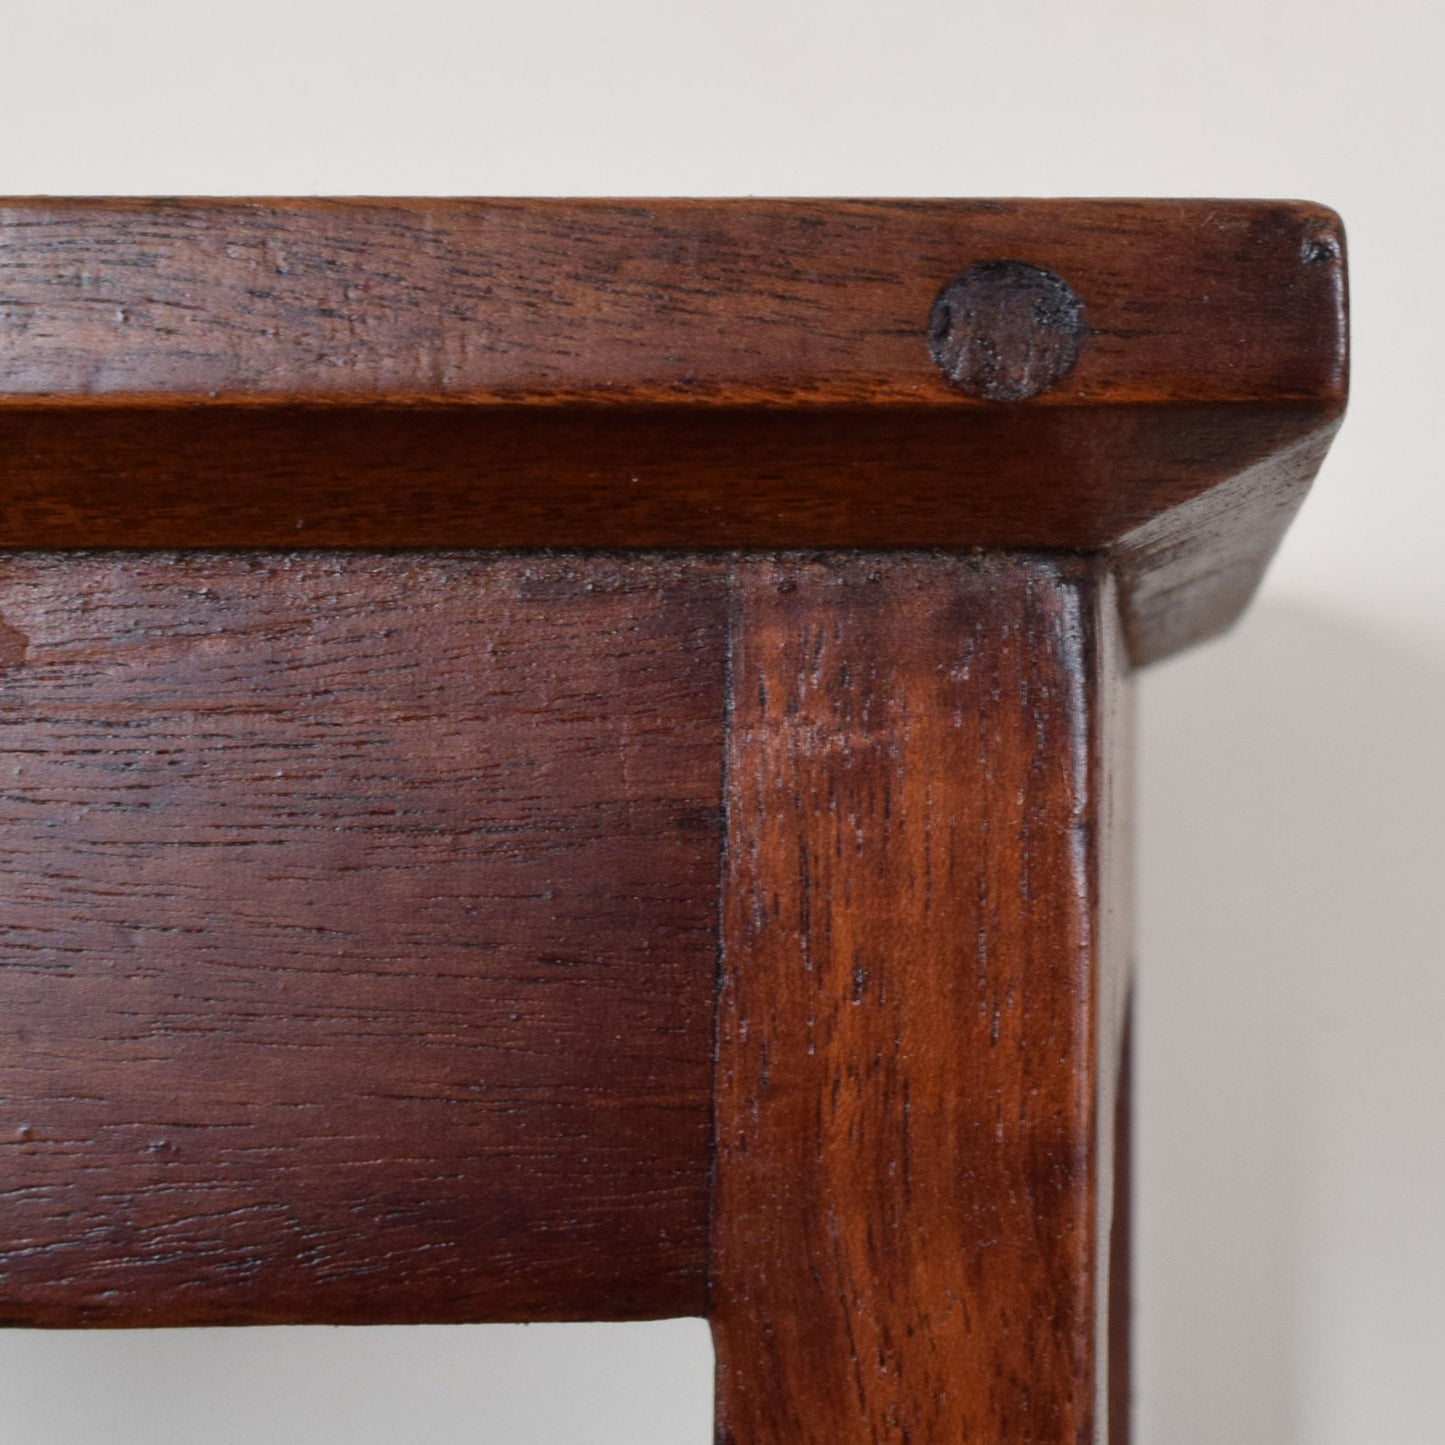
x=1292 y=1071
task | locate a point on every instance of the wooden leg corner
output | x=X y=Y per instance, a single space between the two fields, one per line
x=914 y=1131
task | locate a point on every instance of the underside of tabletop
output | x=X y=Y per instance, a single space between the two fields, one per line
x=1156 y=381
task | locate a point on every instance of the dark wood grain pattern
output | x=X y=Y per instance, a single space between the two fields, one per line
x=358 y=921
x=678 y=374
x=568 y=759
x=921 y=1003
x=724 y=302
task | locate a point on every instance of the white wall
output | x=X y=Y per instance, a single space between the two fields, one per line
x=1293 y=995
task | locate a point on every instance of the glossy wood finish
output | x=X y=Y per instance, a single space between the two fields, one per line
x=680 y=374
x=792 y=303
x=919 y=980
x=717 y=901
x=359 y=937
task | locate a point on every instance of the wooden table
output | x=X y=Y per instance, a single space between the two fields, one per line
x=570 y=760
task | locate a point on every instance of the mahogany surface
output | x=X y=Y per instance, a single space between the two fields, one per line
x=798 y=303
x=679 y=374
x=359 y=921
x=570 y=759
x=922 y=975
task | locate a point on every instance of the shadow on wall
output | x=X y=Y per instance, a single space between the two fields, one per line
x=1291 y=1028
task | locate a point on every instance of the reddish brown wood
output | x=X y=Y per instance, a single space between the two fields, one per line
x=757 y=374
x=359 y=923
x=513 y=476
x=719 y=302
x=920 y=1003
x=672 y=914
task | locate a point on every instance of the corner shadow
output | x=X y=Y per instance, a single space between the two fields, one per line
x=1290 y=1068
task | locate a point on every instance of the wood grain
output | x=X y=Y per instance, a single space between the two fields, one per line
x=723 y=302
x=359 y=921
x=921 y=1003
x=716 y=901
x=677 y=374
